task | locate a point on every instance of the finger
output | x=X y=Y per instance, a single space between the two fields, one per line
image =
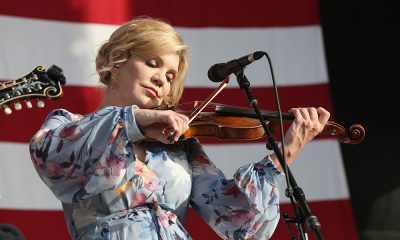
x=170 y=120
x=317 y=127
x=169 y=127
x=323 y=115
x=313 y=114
x=305 y=118
x=296 y=113
x=304 y=113
x=183 y=124
x=314 y=123
x=183 y=117
x=180 y=124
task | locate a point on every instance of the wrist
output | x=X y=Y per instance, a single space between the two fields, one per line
x=132 y=126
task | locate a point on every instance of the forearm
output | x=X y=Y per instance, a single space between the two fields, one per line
x=290 y=155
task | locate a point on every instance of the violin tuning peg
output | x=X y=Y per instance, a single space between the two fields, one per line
x=40 y=104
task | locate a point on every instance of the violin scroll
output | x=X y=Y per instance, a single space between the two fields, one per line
x=355 y=135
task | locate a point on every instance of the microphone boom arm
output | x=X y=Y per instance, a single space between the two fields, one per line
x=304 y=216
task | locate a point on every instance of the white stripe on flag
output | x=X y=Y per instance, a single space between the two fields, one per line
x=20 y=185
x=297 y=53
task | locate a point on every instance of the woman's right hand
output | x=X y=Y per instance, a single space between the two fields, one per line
x=156 y=124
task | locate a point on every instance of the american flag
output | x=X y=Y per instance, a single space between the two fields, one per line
x=67 y=33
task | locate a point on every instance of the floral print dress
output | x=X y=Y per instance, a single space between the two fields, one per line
x=89 y=164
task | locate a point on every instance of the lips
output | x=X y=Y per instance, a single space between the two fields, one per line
x=155 y=92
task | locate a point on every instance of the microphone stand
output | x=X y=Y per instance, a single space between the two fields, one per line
x=303 y=216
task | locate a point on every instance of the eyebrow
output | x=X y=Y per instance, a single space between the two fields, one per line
x=159 y=59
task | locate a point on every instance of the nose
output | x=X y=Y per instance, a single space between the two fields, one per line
x=158 y=80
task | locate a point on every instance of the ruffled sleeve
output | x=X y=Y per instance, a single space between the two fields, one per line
x=239 y=208
x=78 y=157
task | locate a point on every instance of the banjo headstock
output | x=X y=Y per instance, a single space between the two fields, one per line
x=38 y=84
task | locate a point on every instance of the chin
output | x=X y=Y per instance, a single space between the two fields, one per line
x=149 y=104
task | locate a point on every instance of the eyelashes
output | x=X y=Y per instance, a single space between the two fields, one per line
x=152 y=63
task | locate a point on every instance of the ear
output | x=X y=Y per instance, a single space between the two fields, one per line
x=115 y=70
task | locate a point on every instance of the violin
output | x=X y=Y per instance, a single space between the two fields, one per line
x=238 y=123
x=228 y=122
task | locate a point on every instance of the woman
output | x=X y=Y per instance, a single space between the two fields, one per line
x=114 y=185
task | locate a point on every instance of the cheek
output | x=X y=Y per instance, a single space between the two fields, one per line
x=166 y=89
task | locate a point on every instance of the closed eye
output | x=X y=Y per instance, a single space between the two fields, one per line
x=151 y=63
x=170 y=77
x=158 y=62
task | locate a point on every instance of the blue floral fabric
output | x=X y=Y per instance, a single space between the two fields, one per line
x=89 y=164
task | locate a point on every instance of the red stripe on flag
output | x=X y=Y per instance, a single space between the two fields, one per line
x=205 y=13
x=289 y=96
x=21 y=125
x=37 y=224
x=336 y=220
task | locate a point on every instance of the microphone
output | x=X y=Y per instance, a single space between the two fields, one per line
x=218 y=72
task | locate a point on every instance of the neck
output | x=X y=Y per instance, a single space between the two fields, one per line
x=110 y=99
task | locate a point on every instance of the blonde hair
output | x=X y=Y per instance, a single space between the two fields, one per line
x=145 y=38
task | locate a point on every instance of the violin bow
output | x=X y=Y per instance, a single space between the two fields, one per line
x=200 y=108
x=203 y=104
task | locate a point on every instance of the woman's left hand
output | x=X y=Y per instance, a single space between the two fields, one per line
x=308 y=123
